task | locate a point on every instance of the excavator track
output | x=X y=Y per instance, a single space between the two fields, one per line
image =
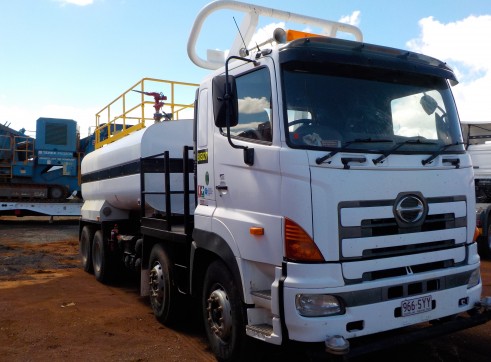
x=33 y=192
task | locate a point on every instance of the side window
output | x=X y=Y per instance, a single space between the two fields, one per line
x=254 y=95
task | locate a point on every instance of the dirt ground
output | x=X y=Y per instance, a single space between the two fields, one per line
x=50 y=309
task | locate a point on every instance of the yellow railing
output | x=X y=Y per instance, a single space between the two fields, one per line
x=24 y=148
x=129 y=112
x=14 y=150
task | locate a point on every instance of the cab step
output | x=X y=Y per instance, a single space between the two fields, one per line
x=260 y=330
x=262 y=298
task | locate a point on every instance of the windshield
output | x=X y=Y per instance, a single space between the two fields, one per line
x=368 y=110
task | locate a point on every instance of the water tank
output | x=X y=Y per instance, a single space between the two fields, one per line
x=112 y=173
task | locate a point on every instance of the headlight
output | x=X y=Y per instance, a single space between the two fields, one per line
x=474 y=279
x=318 y=305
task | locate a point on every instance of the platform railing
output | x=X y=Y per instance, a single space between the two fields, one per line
x=133 y=109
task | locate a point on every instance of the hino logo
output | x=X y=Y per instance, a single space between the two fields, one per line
x=410 y=209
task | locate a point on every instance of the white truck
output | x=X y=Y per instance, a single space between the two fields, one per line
x=320 y=194
x=477 y=137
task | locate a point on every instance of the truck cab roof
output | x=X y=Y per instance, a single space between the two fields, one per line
x=347 y=52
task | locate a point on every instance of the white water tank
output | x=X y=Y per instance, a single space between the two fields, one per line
x=111 y=173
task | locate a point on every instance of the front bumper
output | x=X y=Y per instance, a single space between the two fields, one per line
x=481 y=314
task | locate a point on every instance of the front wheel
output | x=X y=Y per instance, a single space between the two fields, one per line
x=223 y=313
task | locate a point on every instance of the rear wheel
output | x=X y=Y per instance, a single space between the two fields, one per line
x=85 y=247
x=163 y=293
x=100 y=258
x=222 y=312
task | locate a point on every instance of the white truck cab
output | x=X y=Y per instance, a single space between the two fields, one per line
x=337 y=178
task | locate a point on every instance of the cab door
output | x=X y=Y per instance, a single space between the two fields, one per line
x=247 y=196
x=205 y=176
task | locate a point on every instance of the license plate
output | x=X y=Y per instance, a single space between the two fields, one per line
x=416 y=305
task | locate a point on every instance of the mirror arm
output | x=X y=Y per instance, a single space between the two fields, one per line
x=248 y=152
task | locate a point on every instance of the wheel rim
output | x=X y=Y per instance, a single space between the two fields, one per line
x=157 y=285
x=219 y=314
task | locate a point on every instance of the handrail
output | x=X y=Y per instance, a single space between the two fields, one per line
x=25 y=153
x=127 y=113
x=249 y=26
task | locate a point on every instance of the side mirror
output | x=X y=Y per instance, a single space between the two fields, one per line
x=225 y=103
x=429 y=104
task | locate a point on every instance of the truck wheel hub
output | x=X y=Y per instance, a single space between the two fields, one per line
x=157 y=282
x=219 y=314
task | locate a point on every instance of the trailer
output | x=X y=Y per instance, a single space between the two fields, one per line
x=319 y=193
x=23 y=208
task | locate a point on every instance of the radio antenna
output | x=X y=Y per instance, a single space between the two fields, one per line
x=238 y=29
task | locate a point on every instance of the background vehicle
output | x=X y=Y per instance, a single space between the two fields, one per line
x=476 y=136
x=320 y=194
x=37 y=175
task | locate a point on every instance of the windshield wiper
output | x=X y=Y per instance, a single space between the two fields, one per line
x=439 y=152
x=346 y=147
x=399 y=145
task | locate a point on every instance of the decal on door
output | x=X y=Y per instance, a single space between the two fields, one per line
x=205 y=191
x=203 y=156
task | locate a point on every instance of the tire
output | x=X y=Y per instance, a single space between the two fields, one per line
x=85 y=248
x=164 y=296
x=100 y=258
x=223 y=313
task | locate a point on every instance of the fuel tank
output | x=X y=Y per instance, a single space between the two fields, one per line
x=112 y=173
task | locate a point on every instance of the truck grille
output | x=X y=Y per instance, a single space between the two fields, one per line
x=369 y=229
x=381 y=227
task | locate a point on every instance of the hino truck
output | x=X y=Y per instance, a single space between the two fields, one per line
x=320 y=194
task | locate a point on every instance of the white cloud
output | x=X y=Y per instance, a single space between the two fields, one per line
x=264 y=34
x=75 y=2
x=253 y=105
x=464 y=46
x=353 y=19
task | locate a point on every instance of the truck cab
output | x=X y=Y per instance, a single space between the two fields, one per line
x=336 y=183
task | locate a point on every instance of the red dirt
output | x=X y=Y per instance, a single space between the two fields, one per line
x=50 y=309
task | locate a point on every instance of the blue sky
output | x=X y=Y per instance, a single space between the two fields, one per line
x=69 y=58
